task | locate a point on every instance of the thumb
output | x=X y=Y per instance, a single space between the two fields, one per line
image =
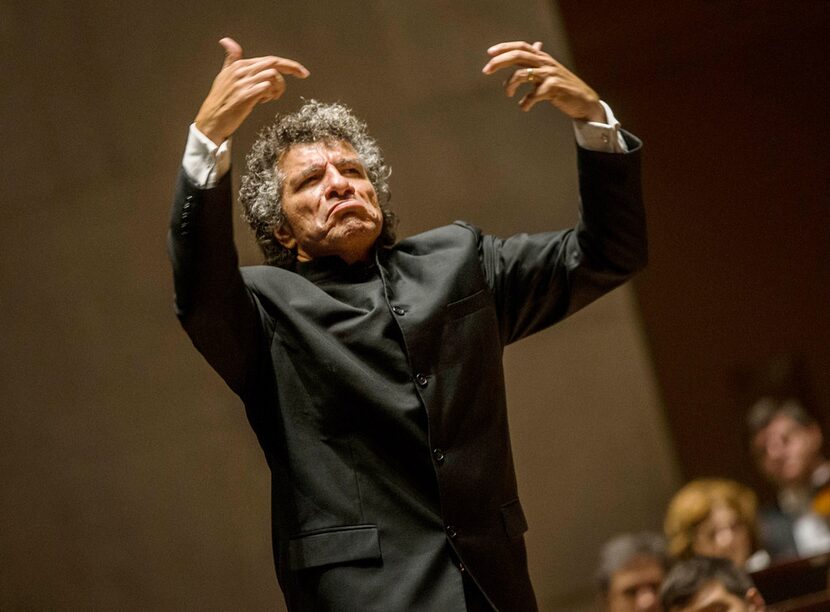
x=233 y=51
x=537 y=45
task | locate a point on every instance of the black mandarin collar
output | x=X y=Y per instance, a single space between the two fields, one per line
x=332 y=267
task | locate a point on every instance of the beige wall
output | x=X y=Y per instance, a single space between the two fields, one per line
x=130 y=478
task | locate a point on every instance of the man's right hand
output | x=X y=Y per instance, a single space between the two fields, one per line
x=241 y=85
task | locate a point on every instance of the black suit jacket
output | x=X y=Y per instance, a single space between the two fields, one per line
x=377 y=391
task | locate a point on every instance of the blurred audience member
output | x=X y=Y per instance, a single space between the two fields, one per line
x=717 y=518
x=787 y=445
x=709 y=584
x=631 y=568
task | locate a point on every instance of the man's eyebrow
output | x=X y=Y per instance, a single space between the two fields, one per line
x=346 y=161
x=308 y=171
x=314 y=168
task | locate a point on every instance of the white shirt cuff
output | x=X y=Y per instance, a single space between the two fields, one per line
x=204 y=162
x=603 y=137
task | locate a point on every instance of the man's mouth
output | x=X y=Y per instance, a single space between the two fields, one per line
x=343 y=205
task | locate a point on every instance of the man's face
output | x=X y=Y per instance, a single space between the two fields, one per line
x=714 y=597
x=636 y=586
x=723 y=534
x=329 y=204
x=786 y=451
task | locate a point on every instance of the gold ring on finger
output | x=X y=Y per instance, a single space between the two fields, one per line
x=530 y=77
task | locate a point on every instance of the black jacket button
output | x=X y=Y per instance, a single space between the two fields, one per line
x=451 y=532
x=421 y=380
x=398 y=311
x=438 y=455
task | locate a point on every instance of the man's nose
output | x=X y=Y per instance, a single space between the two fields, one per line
x=775 y=449
x=337 y=185
x=724 y=538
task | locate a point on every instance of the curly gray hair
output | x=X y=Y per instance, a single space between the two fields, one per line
x=261 y=190
x=620 y=550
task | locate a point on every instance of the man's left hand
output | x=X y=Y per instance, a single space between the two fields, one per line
x=550 y=80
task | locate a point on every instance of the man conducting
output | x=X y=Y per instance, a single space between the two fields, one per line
x=371 y=369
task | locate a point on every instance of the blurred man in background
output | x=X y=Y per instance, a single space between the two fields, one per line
x=709 y=584
x=631 y=569
x=787 y=443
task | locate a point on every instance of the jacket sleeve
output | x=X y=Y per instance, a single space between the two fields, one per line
x=540 y=279
x=214 y=306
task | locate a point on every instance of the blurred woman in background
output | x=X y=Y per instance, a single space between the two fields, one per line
x=717 y=518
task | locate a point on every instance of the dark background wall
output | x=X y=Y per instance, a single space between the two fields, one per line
x=732 y=99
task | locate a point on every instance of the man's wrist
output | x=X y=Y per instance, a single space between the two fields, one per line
x=205 y=162
x=209 y=133
x=603 y=136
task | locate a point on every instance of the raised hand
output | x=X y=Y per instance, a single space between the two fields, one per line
x=550 y=80
x=241 y=85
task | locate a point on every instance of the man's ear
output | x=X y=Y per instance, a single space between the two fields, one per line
x=285 y=236
x=755 y=601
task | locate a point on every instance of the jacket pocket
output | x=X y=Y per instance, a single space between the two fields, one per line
x=515 y=523
x=468 y=305
x=470 y=332
x=337 y=545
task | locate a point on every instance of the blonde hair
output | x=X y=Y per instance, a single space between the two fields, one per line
x=692 y=504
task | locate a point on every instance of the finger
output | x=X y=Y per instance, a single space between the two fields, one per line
x=287 y=66
x=537 y=45
x=275 y=84
x=281 y=64
x=516 y=45
x=233 y=51
x=269 y=75
x=513 y=58
x=272 y=92
x=543 y=92
x=525 y=103
x=522 y=77
x=262 y=91
x=270 y=78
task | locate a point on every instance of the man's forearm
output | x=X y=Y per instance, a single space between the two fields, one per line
x=212 y=302
x=612 y=228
